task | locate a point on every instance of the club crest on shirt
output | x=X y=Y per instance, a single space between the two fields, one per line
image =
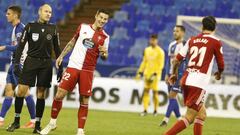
x=88 y=43
x=35 y=36
x=49 y=36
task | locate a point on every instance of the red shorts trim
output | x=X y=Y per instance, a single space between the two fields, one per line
x=193 y=97
x=73 y=76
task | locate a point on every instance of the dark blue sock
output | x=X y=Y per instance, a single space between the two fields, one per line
x=6 y=106
x=176 y=109
x=170 y=107
x=31 y=106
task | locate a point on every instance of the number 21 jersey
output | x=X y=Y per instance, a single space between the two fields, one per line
x=201 y=51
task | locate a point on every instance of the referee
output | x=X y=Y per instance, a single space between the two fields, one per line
x=41 y=37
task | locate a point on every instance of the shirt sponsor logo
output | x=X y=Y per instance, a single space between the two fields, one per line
x=88 y=43
x=35 y=36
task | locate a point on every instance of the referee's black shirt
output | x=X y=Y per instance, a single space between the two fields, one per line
x=40 y=38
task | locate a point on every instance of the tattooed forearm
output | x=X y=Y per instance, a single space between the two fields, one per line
x=176 y=64
x=68 y=47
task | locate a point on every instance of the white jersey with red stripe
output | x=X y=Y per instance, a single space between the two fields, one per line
x=201 y=51
x=85 y=52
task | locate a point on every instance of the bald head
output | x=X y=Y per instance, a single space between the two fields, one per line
x=45 y=13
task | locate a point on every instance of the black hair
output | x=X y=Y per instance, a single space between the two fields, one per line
x=209 y=23
x=181 y=27
x=155 y=36
x=16 y=9
x=103 y=11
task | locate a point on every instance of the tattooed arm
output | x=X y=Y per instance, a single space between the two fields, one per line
x=65 y=51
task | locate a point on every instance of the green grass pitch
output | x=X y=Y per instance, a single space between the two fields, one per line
x=119 y=123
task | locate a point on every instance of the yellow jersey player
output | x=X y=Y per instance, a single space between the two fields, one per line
x=151 y=69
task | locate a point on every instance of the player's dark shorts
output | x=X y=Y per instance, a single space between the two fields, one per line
x=83 y=78
x=11 y=77
x=36 y=68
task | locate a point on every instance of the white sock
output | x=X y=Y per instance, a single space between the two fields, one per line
x=80 y=130
x=179 y=118
x=1 y=119
x=32 y=120
x=53 y=121
x=166 y=119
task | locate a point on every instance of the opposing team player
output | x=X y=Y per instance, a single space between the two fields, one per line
x=89 y=42
x=13 y=16
x=201 y=51
x=151 y=68
x=173 y=50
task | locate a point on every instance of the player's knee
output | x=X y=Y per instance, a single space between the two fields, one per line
x=40 y=95
x=41 y=92
x=9 y=92
x=84 y=99
x=61 y=93
x=190 y=119
x=22 y=89
x=202 y=115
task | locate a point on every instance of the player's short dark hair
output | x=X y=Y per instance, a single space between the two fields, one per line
x=103 y=11
x=16 y=9
x=209 y=23
x=155 y=36
x=182 y=28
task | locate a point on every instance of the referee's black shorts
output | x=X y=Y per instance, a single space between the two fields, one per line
x=36 y=68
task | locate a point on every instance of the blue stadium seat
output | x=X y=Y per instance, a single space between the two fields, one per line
x=168 y=2
x=129 y=8
x=136 y=3
x=68 y=5
x=209 y=5
x=143 y=25
x=121 y=16
x=137 y=49
x=144 y=9
x=153 y=2
x=120 y=33
x=37 y=3
x=157 y=10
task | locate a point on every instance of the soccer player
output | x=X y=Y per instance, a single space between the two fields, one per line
x=13 y=15
x=89 y=42
x=41 y=37
x=151 y=68
x=173 y=49
x=201 y=51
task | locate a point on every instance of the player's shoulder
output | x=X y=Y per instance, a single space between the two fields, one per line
x=20 y=26
x=84 y=25
x=172 y=43
x=105 y=33
x=212 y=37
x=160 y=49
